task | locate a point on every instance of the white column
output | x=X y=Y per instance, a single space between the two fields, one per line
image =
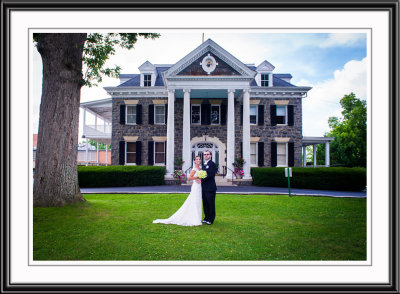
x=106 y=154
x=230 y=141
x=170 y=134
x=314 y=149
x=97 y=152
x=87 y=151
x=84 y=121
x=327 y=155
x=95 y=122
x=246 y=133
x=304 y=156
x=186 y=130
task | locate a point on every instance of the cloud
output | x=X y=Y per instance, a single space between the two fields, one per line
x=342 y=39
x=323 y=99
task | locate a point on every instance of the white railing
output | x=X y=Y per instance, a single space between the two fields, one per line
x=99 y=130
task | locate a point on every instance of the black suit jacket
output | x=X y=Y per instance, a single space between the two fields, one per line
x=208 y=183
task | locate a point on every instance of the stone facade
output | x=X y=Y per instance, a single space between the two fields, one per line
x=266 y=132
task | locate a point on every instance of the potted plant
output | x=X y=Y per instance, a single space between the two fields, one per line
x=179 y=174
x=238 y=167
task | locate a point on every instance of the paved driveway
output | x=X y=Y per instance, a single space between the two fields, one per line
x=222 y=190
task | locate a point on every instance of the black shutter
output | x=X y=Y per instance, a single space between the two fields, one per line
x=223 y=114
x=274 y=147
x=273 y=115
x=241 y=149
x=290 y=115
x=260 y=115
x=166 y=113
x=121 y=152
x=205 y=114
x=291 y=154
x=241 y=115
x=138 y=152
x=150 y=153
x=260 y=153
x=208 y=107
x=122 y=114
x=139 y=114
x=151 y=114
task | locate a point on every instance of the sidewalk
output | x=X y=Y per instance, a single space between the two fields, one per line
x=175 y=189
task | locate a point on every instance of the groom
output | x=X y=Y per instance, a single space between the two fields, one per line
x=209 y=188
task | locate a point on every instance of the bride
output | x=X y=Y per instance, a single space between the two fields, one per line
x=189 y=214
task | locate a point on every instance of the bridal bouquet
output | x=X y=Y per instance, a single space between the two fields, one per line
x=201 y=174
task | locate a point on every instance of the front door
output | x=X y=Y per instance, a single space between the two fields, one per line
x=199 y=148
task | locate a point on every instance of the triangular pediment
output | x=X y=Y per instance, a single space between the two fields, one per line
x=221 y=67
x=147 y=66
x=265 y=66
x=225 y=63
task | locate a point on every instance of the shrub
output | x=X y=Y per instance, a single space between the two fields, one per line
x=120 y=176
x=324 y=178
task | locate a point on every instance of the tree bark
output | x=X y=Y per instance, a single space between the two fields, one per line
x=56 y=174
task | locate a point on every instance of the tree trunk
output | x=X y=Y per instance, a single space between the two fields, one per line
x=56 y=174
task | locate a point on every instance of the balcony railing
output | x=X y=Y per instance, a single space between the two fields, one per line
x=99 y=130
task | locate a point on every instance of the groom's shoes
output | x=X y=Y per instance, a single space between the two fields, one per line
x=203 y=221
x=208 y=223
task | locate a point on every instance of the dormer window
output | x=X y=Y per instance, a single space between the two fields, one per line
x=264 y=80
x=147 y=80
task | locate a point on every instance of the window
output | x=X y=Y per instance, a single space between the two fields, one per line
x=159 y=114
x=253 y=154
x=147 y=80
x=215 y=114
x=131 y=114
x=159 y=152
x=281 y=115
x=264 y=80
x=253 y=114
x=281 y=152
x=196 y=114
x=130 y=157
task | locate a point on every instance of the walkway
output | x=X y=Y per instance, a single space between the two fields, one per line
x=222 y=190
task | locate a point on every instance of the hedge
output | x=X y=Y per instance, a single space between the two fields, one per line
x=120 y=176
x=324 y=178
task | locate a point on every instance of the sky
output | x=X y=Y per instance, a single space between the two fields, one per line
x=332 y=64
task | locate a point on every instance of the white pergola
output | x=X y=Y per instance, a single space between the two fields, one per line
x=307 y=141
x=101 y=109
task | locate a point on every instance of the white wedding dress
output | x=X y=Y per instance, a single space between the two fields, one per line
x=190 y=213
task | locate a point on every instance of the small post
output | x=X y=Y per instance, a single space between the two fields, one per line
x=288 y=174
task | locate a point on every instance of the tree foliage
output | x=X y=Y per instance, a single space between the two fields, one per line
x=97 y=50
x=349 y=147
x=102 y=146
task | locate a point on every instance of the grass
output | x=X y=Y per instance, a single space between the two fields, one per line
x=247 y=227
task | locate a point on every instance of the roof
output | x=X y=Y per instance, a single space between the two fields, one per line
x=277 y=82
x=135 y=79
x=133 y=82
x=316 y=140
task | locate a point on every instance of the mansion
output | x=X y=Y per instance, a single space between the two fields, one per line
x=208 y=100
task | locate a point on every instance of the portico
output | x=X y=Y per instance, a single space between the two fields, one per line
x=228 y=96
x=209 y=72
x=314 y=141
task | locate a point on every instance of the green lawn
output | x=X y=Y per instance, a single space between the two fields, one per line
x=247 y=227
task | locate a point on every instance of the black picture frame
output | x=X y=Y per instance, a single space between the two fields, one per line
x=391 y=7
